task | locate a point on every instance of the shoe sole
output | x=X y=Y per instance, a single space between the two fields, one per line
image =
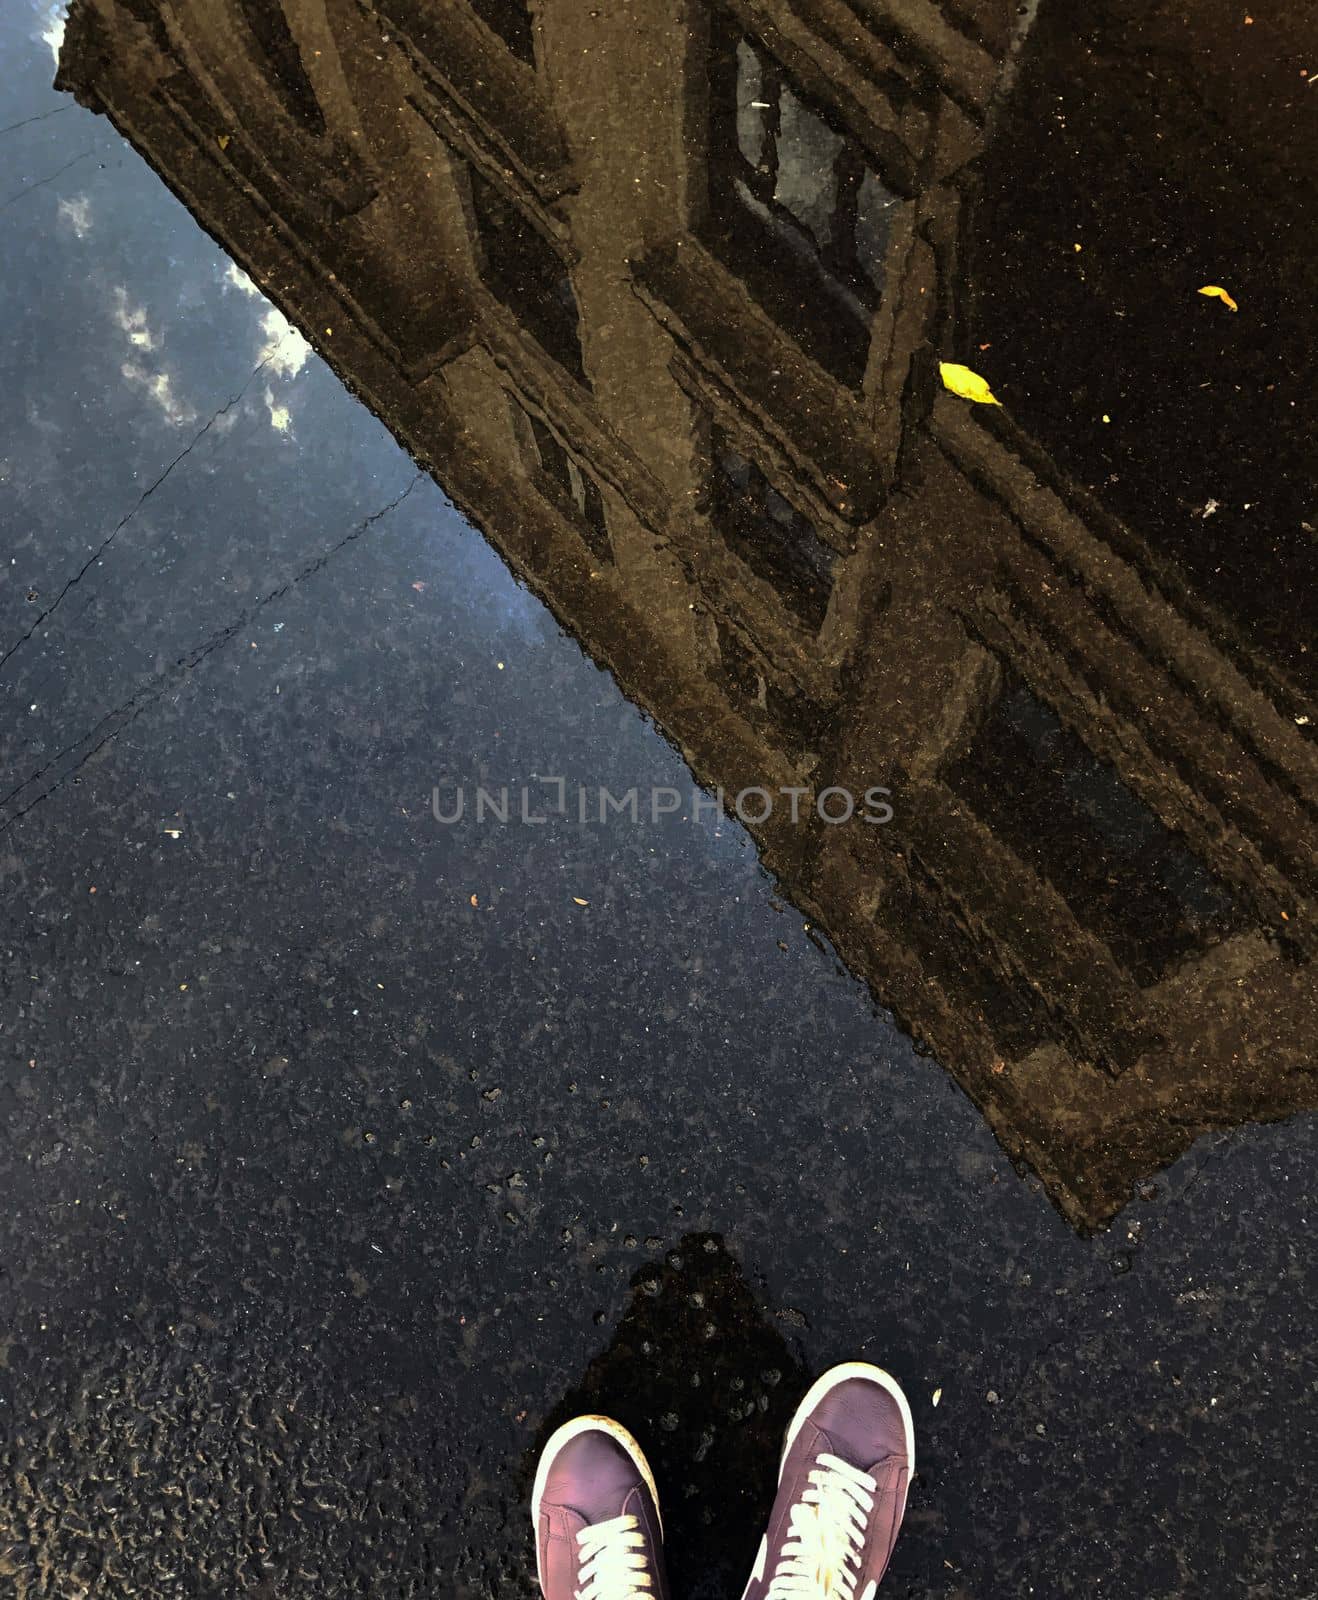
x=564 y=1435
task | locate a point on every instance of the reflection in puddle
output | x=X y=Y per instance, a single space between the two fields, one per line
x=660 y=298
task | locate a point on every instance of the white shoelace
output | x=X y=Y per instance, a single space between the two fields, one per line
x=614 y=1565
x=821 y=1555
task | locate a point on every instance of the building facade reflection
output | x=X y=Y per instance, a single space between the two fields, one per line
x=658 y=292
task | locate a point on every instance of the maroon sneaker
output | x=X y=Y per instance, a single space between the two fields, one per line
x=847 y=1462
x=596 y=1515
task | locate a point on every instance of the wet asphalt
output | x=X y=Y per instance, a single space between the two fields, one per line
x=344 y=1150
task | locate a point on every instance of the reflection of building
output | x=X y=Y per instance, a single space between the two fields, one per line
x=657 y=292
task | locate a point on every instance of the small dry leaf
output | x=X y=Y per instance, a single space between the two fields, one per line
x=1216 y=292
x=222 y=139
x=577 y=900
x=474 y=900
x=967 y=384
x=938 y=1395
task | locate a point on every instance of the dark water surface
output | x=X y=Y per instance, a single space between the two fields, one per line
x=347 y=1149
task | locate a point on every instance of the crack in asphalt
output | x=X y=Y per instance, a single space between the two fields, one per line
x=39 y=116
x=125 y=715
x=42 y=182
x=1214 y=1150
x=129 y=515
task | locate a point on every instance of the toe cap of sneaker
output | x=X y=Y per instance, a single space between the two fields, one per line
x=865 y=1421
x=592 y=1474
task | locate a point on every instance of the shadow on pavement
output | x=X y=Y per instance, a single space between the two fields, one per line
x=703 y=1376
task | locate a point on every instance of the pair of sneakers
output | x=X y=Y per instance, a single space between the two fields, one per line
x=846 y=1465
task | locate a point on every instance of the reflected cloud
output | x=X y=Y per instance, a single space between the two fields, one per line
x=280 y=416
x=78 y=214
x=160 y=387
x=131 y=320
x=53 y=27
x=238 y=279
x=285 y=350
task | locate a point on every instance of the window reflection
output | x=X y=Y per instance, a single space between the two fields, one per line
x=796 y=207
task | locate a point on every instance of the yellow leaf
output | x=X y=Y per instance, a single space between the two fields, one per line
x=222 y=139
x=579 y=901
x=1216 y=292
x=969 y=385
